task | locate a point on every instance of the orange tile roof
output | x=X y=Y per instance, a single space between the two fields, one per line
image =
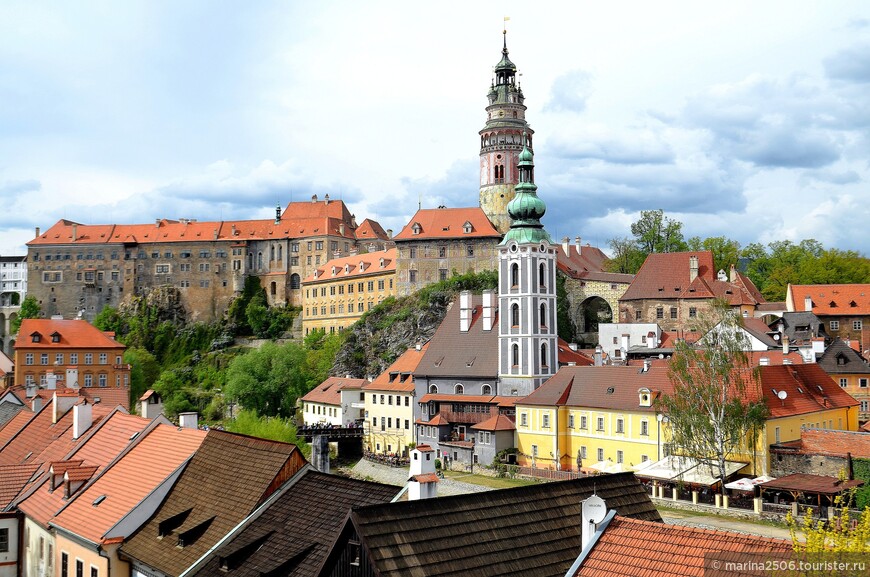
x=329 y=391
x=359 y=265
x=590 y=260
x=150 y=460
x=496 y=423
x=426 y=478
x=13 y=478
x=71 y=334
x=831 y=299
x=567 y=355
x=808 y=388
x=436 y=421
x=447 y=223
x=406 y=364
x=370 y=229
x=637 y=548
x=15 y=424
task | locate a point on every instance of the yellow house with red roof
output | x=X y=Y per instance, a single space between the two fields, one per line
x=843 y=308
x=338 y=293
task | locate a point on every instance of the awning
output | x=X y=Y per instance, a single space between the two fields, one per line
x=747 y=484
x=688 y=470
x=606 y=467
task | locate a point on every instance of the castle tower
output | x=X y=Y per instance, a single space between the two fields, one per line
x=501 y=141
x=528 y=347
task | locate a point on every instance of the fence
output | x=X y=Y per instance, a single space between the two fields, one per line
x=550 y=474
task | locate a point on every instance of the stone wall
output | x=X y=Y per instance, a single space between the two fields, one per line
x=783 y=464
x=578 y=291
x=421 y=260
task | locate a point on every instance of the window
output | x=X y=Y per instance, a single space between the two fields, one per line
x=95 y=572
x=28 y=359
x=619 y=456
x=102 y=379
x=693 y=312
x=104 y=358
x=407 y=402
x=620 y=425
x=534 y=451
x=583 y=421
x=515 y=275
x=4 y=540
x=318 y=245
x=515 y=315
x=583 y=452
x=486 y=390
x=544 y=362
x=412 y=276
x=660 y=313
x=73 y=358
x=80 y=568
x=371 y=285
x=644 y=428
x=865 y=406
x=469 y=250
x=43 y=359
x=600 y=426
x=776 y=434
x=524 y=420
x=857 y=325
x=637 y=315
x=204 y=267
x=600 y=454
x=412 y=252
x=545 y=421
x=542 y=276
x=673 y=312
x=89 y=358
x=844 y=382
x=58 y=359
x=834 y=325
x=570 y=421
x=64 y=564
x=862 y=383
x=161 y=269
x=458 y=389
x=442 y=274
x=515 y=355
x=89 y=380
x=380 y=285
x=442 y=252
x=433 y=389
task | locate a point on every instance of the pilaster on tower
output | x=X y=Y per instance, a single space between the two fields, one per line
x=502 y=139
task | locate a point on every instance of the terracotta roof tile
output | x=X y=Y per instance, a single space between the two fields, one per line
x=356 y=266
x=496 y=423
x=832 y=442
x=13 y=478
x=821 y=484
x=831 y=299
x=399 y=375
x=370 y=229
x=446 y=223
x=425 y=478
x=329 y=391
x=436 y=421
x=72 y=334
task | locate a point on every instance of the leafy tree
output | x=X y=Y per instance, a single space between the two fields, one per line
x=563 y=318
x=109 y=319
x=726 y=252
x=144 y=371
x=627 y=258
x=716 y=401
x=837 y=536
x=257 y=315
x=655 y=232
x=29 y=310
x=274 y=428
x=237 y=311
x=268 y=380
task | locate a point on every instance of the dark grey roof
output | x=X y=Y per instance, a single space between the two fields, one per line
x=7 y=411
x=533 y=530
x=293 y=535
x=800 y=326
x=840 y=358
x=453 y=353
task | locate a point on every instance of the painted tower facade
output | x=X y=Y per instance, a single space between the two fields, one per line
x=501 y=141
x=528 y=353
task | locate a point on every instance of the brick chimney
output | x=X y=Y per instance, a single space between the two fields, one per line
x=37 y=231
x=422 y=482
x=75 y=230
x=732 y=274
x=62 y=404
x=693 y=268
x=577 y=244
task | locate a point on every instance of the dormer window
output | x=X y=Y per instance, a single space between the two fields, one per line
x=35 y=337
x=644 y=397
x=55 y=337
x=347 y=268
x=467 y=228
x=362 y=266
x=416 y=228
x=334 y=269
x=382 y=263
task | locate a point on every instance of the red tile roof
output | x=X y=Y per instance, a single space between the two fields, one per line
x=13 y=478
x=148 y=461
x=831 y=299
x=329 y=391
x=496 y=423
x=808 y=388
x=637 y=548
x=666 y=276
x=832 y=443
x=359 y=265
x=444 y=223
x=370 y=229
x=588 y=265
x=399 y=376
x=607 y=387
x=71 y=334
x=436 y=421
x=804 y=482
x=426 y=478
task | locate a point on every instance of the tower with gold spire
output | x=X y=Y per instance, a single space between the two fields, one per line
x=502 y=139
x=528 y=335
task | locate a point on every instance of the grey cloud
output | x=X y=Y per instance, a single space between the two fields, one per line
x=789 y=147
x=831 y=176
x=638 y=150
x=569 y=92
x=850 y=65
x=19 y=186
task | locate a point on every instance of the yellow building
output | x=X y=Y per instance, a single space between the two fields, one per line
x=339 y=292
x=587 y=415
x=389 y=406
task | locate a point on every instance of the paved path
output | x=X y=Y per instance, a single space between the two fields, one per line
x=399 y=476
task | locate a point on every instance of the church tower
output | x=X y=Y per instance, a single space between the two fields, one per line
x=501 y=140
x=527 y=332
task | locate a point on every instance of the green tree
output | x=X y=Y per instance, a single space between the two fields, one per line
x=716 y=402
x=257 y=315
x=625 y=256
x=839 y=538
x=237 y=311
x=268 y=380
x=563 y=318
x=655 y=232
x=29 y=310
x=109 y=319
x=726 y=252
x=273 y=428
x=144 y=371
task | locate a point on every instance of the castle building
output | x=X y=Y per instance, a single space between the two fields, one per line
x=527 y=290
x=76 y=269
x=502 y=139
x=13 y=280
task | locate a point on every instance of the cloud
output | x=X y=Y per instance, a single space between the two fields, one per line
x=850 y=65
x=569 y=92
x=641 y=147
x=830 y=176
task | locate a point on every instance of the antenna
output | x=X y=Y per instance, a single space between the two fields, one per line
x=782 y=396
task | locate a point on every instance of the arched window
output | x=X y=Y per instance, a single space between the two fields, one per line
x=294 y=281
x=515 y=315
x=544 y=361
x=515 y=275
x=250 y=260
x=515 y=355
x=433 y=390
x=542 y=273
x=259 y=260
x=543 y=315
x=485 y=390
x=272 y=253
x=280 y=253
x=458 y=389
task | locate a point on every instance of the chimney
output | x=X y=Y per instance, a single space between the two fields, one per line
x=37 y=231
x=341 y=228
x=215 y=234
x=188 y=420
x=422 y=482
x=599 y=353
x=646 y=365
x=313 y=198
x=577 y=244
x=785 y=344
x=732 y=274
x=82 y=418
x=488 y=316
x=326 y=198
x=464 y=311
x=763 y=361
x=593 y=511
x=62 y=404
x=693 y=268
x=75 y=235
x=157 y=222
x=320 y=453
x=808 y=304
x=36 y=404
x=572 y=346
x=277 y=214
x=565 y=241
x=418 y=346
x=389 y=233
x=50 y=381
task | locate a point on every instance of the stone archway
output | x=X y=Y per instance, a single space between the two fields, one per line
x=592 y=312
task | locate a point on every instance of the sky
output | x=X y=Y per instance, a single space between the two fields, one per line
x=744 y=119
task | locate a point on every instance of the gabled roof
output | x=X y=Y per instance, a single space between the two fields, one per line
x=13 y=478
x=608 y=387
x=830 y=299
x=143 y=466
x=400 y=375
x=358 y=265
x=445 y=223
x=371 y=229
x=587 y=265
x=498 y=422
x=211 y=497
x=809 y=389
x=329 y=391
x=666 y=276
x=840 y=358
x=799 y=327
x=759 y=329
x=8 y=411
x=533 y=530
x=291 y=540
x=638 y=548
x=72 y=334
x=454 y=353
